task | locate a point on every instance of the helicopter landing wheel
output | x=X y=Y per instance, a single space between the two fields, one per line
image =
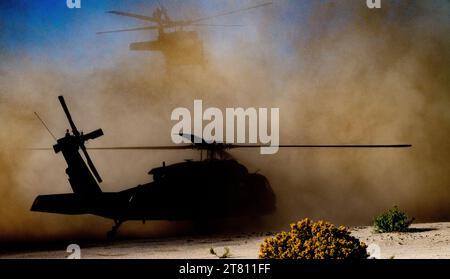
x=113 y=232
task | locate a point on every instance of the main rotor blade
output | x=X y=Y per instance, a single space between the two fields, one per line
x=69 y=117
x=216 y=25
x=128 y=30
x=141 y=17
x=326 y=146
x=174 y=147
x=233 y=146
x=229 y=12
x=90 y=164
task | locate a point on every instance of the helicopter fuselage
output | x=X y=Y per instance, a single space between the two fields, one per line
x=183 y=191
x=178 y=47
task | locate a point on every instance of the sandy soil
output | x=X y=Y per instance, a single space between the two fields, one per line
x=431 y=241
x=425 y=241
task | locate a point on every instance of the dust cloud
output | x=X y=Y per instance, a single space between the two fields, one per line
x=341 y=74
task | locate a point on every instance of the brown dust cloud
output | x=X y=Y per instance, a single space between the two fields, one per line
x=342 y=74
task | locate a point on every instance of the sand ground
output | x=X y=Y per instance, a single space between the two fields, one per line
x=425 y=241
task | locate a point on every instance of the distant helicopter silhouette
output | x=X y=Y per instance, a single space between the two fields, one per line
x=179 y=47
x=215 y=187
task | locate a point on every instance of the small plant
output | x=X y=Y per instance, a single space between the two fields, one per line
x=393 y=220
x=226 y=253
x=313 y=240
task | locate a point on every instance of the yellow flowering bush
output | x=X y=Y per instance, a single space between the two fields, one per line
x=313 y=240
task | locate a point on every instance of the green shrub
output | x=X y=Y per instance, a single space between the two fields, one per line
x=393 y=220
x=313 y=240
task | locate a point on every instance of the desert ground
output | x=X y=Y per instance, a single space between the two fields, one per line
x=424 y=241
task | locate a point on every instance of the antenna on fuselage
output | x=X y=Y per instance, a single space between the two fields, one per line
x=45 y=125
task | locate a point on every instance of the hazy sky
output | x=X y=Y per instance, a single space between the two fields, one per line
x=48 y=31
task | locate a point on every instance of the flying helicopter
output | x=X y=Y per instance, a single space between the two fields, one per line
x=215 y=187
x=178 y=46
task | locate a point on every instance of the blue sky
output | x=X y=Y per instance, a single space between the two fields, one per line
x=46 y=30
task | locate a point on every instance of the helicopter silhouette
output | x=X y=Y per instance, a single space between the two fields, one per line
x=215 y=187
x=179 y=47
